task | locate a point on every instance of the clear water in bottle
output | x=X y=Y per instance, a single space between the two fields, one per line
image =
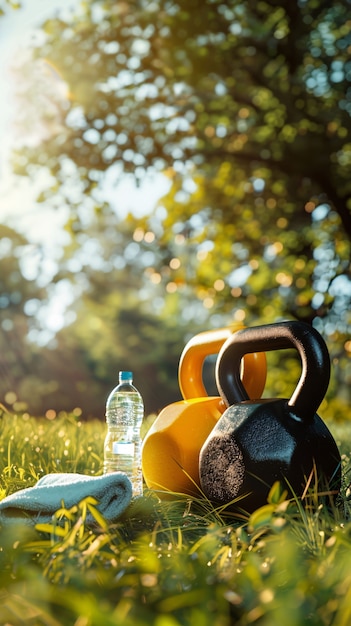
x=124 y=415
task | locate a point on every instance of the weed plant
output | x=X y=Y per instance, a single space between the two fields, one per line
x=174 y=562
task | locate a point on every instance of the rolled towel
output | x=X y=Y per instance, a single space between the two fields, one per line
x=37 y=504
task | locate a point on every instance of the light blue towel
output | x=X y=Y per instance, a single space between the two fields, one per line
x=37 y=504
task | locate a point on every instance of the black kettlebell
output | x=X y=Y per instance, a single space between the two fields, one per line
x=258 y=442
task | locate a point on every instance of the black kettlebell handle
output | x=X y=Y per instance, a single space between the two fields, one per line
x=315 y=362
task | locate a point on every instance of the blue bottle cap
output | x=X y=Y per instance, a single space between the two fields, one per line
x=125 y=376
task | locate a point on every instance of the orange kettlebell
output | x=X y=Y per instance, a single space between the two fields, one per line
x=170 y=450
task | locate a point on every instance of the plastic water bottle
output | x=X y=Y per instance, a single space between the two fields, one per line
x=124 y=415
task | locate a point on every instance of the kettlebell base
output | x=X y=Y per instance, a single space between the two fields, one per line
x=249 y=450
x=223 y=475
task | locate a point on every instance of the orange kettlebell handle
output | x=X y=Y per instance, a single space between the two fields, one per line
x=209 y=342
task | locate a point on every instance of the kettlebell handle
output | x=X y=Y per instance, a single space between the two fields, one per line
x=209 y=343
x=193 y=357
x=315 y=361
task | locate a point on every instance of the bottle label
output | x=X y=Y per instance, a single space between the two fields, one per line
x=125 y=448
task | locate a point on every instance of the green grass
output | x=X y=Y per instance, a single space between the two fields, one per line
x=166 y=563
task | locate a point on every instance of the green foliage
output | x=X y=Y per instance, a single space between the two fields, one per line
x=20 y=299
x=114 y=324
x=245 y=108
x=165 y=563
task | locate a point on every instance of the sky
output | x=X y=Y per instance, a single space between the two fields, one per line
x=17 y=198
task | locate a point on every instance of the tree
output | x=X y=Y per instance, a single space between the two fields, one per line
x=250 y=100
x=246 y=107
x=20 y=298
x=112 y=326
x=154 y=84
x=118 y=323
